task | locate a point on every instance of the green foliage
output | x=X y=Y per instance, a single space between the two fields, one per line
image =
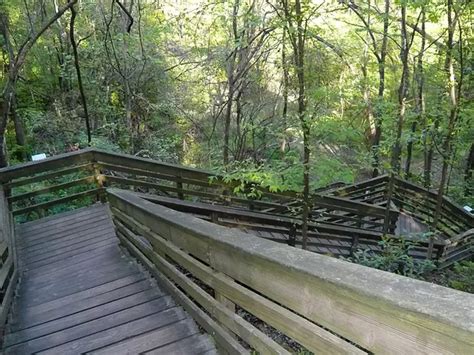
x=161 y=90
x=276 y=176
x=463 y=276
x=394 y=257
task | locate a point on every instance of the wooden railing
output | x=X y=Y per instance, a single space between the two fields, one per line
x=455 y=227
x=352 y=214
x=225 y=278
x=413 y=199
x=90 y=169
x=372 y=191
x=35 y=188
x=327 y=238
x=8 y=262
x=421 y=203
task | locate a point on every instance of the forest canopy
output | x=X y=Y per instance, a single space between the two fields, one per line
x=294 y=94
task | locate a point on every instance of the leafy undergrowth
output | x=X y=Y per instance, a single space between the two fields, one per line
x=460 y=276
x=396 y=256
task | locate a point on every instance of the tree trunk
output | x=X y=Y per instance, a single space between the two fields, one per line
x=468 y=181
x=454 y=109
x=402 y=92
x=420 y=98
x=19 y=130
x=231 y=84
x=299 y=58
x=381 y=90
x=78 y=72
x=286 y=81
x=369 y=114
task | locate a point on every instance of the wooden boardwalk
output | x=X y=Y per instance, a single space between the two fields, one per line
x=79 y=293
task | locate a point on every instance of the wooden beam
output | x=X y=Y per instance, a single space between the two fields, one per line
x=379 y=311
x=52 y=188
x=43 y=205
x=36 y=167
x=313 y=337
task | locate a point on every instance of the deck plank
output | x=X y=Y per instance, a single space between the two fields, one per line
x=198 y=342
x=80 y=292
x=161 y=336
x=111 y=336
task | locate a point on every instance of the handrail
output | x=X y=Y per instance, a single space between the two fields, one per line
x=446 y=200
x=292 y=290
x=287 y=228
x=81 y=176
x=8 y=261
x=55 y=162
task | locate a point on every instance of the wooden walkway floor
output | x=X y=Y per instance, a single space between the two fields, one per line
x=79 y=293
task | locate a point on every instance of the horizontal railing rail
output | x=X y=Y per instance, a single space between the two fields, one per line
x=224 y=277
x=34 y=188
x=8 y=261
x=422 y=203
x=329 y=238
x=37 y=189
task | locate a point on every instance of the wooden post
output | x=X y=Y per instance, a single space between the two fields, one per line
x=99 y=180
x=292 y=236
x=429 y=253
x=179 y=186
x=355 y=243
x=4 y=225
x=7 y=229
x=389 y=202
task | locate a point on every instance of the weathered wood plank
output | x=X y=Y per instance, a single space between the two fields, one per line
x=28 y=310
x=79 y=290
x=97 y=224
x=52 y=163
x=309 y=334
x=75 y=326
x=361 y=304
x=199 y=343
x=40 y=279
x=52 y=251
x=221 y=335
x=66 y=240
x=116 y=334
x=112 y=250
x=60 y=255
x=51 y=222
x=48 y=204
x=158 y=337
x=229 y=319
x=137 y=292
x=52 y=188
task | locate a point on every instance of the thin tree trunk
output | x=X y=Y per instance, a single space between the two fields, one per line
x=303 y=119
x=128 y=114
x=286 y=80
x=420 y=98
x=468 y=181
x=20 y=135
x=402 y=92
x=369 y=114
x=381 y=90
x=231 y=84
x=454 y=109
x=78 y=72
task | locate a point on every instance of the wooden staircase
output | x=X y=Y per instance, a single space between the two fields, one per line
x=80 y=292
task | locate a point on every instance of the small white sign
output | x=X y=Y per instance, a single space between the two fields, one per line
x=37 y=157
